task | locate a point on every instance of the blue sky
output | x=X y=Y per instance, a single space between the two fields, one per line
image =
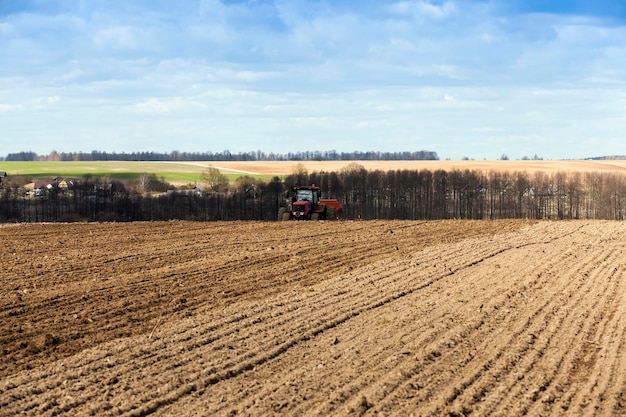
x=464 y=78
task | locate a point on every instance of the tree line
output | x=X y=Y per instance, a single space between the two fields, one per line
x=400 y=194
x=224 y=156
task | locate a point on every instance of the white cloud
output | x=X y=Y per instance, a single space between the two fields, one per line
x=47 y=101
x=5 y=28
x=152 y=106
x=10 y=107
x=422 y=8
x=124 y=37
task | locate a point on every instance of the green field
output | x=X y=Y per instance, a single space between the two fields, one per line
x=170 y=171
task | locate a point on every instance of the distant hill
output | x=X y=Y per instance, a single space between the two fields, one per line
x=607 y=158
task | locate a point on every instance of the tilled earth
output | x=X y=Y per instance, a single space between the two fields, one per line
x=502 y=318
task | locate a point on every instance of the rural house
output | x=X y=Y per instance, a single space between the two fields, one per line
x=42 y=188
x=194 y=192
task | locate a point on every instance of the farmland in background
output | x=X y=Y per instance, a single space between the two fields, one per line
x=417 y=190
x=530 y=166
x=189 y=172
x=173 y=172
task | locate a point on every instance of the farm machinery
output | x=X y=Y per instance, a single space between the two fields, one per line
x=305 y=202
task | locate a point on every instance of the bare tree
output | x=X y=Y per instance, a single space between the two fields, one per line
x=213 y=180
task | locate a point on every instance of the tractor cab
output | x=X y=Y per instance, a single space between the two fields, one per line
x=307 y=194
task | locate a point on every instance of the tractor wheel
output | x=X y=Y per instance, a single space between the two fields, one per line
x=331 y=213
x=315 y=216
x=283 y=214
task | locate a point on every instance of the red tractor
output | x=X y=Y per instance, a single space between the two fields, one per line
x=306 y=204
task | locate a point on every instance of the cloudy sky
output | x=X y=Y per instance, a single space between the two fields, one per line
x=463 y=78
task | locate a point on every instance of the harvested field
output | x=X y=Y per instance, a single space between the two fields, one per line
x=503 y=318
x=531 y=166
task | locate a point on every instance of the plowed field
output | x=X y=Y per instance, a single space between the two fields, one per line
x=504 y=318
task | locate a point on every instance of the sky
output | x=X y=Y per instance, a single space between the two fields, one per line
x=471 y=79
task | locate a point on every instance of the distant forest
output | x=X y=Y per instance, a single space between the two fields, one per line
x=225 y=156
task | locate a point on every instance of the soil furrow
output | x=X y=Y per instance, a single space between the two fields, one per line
x=394 y=275
x=541 y=340
x=486 y=367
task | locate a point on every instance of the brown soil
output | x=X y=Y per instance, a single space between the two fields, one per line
x=450 y=318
